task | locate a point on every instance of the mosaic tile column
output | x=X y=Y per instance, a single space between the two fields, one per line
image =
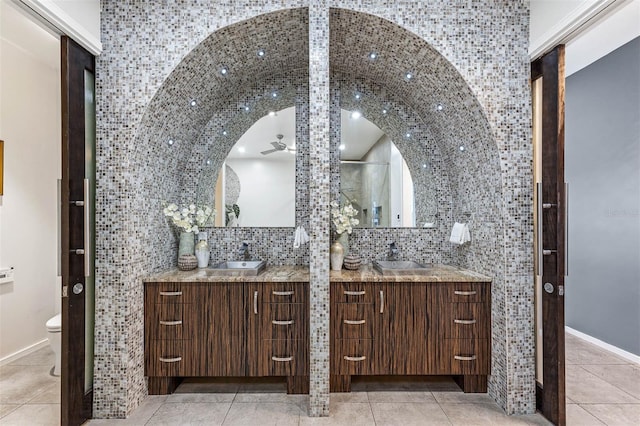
x=319 y=169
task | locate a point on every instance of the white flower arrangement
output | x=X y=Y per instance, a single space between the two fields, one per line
x=343 y=218
x=189 y=218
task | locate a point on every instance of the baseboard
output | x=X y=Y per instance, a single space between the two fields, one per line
x=604 y=345
x=22 y=352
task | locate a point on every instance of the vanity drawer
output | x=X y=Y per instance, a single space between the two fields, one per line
x=284 y=358
x=167 y=293
x=353 y=320
x=352 y=293
x=284 y=321
x=166 y=321
x=167 y=358
x=466 y=292
x=466 y=356
x=466 y=320
x=285 y=292
x=352 y=357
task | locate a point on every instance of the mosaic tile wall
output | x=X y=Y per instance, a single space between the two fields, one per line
x=157 y=58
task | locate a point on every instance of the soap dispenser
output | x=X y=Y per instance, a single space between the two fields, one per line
x=202 y=250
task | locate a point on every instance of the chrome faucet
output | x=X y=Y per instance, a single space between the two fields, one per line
x=244 y=251
x=393 y=252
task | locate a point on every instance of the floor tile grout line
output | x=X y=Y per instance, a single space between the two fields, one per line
x=611 y=384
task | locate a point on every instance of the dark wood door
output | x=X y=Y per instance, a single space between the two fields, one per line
x=547 y=75
x=400 y=329
x=78 y=145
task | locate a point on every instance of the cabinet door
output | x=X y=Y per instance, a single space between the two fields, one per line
x=400 y=334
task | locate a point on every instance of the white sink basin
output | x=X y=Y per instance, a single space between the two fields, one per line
x=399 y=267
x=239 y=267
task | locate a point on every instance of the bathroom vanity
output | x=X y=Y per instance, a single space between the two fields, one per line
x=436 y=323
x=198 y=324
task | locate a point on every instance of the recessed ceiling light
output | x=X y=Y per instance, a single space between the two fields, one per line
x=224 y=133
x=373 y=56
x=384 y=111
x=274 y=95
x=461 y=148
x=208 y=162
x=261 y=53
x=408 y=75
x=241 y=149
x=272 y=114
x=439 y=107
x=246 y=108
x=193 y=102
x=342 y=147
x=170 y=142
x=424 y=166
x=407 y=135
x=356 y=114
x=224 y=70
x=357 y=96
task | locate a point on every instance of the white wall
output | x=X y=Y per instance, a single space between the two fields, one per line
x=30 y=127
x=267 y=192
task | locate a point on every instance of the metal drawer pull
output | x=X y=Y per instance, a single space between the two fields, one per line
x=178 y=322
x=283 y=293
x=355 y=358
x=459 y=321
x=170 y=293
x=356 y=322
x=276 y=322
x=278 y=359
x=355 y=293
x=255 y=302
x=176 y=359
x=381 y=302
x=464 y=293
x=464 y=358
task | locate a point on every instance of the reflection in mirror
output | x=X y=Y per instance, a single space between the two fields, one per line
x=374 y=176
x=256 y=183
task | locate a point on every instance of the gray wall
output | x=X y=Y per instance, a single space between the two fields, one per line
x=603 y=171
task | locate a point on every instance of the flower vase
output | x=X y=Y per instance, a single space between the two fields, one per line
x=336 y=252
x=202 y=250
x=344 y=240
x=187 y=243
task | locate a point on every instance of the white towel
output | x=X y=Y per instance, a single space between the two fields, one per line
x=300 y=237
x=460 y=234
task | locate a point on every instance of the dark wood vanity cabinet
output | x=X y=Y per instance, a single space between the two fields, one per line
x=224 y=329
x=410 y=328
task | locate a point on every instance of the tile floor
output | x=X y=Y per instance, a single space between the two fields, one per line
x=602 y=389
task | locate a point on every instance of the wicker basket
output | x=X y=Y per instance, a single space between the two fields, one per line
x=352 y=262
x=187 y=262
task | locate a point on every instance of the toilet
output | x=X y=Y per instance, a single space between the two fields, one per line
x=54 y=332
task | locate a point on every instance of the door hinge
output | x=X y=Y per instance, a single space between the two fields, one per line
x=65 y=291
x=560 y=290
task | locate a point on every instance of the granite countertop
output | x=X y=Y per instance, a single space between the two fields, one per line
x=436 y=273
x=270 y=274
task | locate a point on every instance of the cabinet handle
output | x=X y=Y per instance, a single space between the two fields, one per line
x=464 y=358
x=283 y=293
x=178 y=322
x=355 y=358
x=176 y=359
x=461 y=321
x=279 y=359
x=355 y=293
x=170 y=293
x=356 y=322
x=255 y=302
x=464 y=293
x=381 y=302
x=276 y=322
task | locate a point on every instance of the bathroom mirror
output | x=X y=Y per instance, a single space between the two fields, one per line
x=377 y=180
x=255 y=185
